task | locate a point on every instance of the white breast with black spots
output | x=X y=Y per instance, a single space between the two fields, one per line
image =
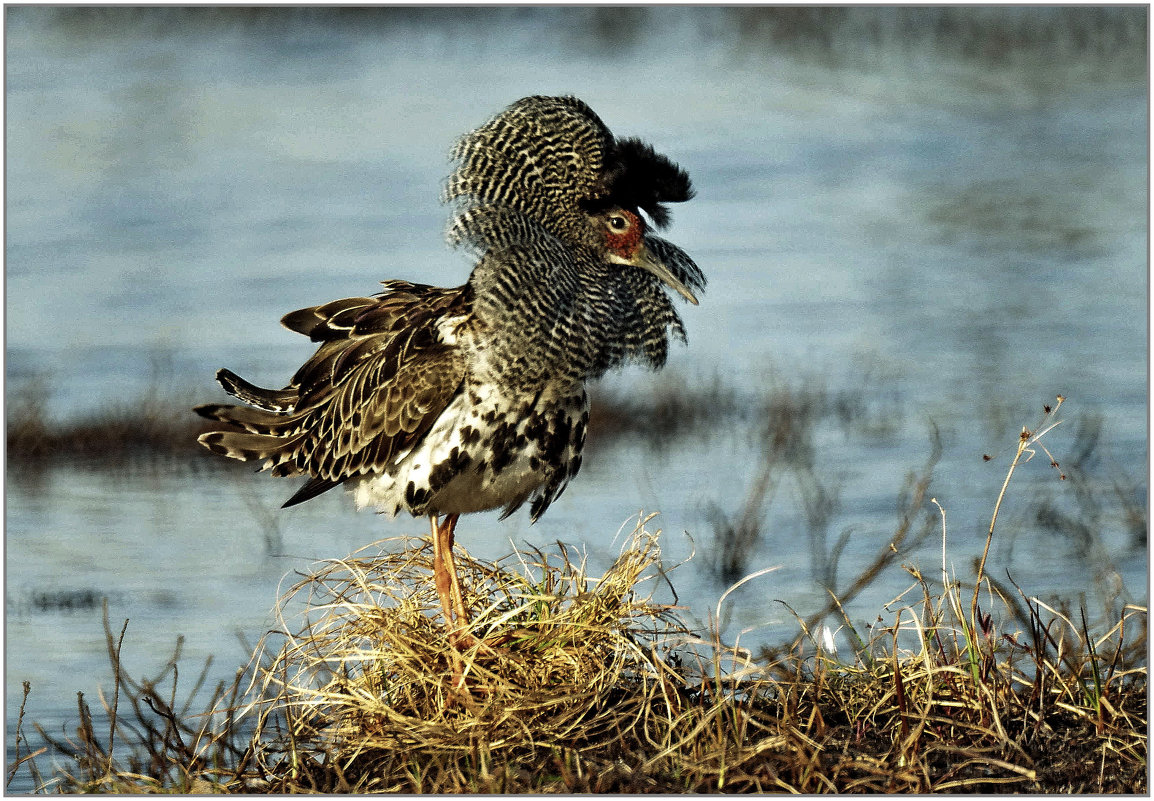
x=485 y=451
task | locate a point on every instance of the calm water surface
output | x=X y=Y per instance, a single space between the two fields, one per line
x=947 y=243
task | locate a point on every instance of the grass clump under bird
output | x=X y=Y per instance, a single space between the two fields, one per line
x=371 y=680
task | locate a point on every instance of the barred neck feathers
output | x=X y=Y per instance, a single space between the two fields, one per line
x=551 y=310
x=541 y=157
x=557 y=293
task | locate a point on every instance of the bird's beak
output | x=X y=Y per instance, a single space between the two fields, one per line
x=647 y=261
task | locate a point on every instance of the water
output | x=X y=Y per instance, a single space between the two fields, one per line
x=947 y=240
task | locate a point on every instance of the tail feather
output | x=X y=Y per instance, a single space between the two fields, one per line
x=273 y=451
x=335 y=320
x=271 y=400
x=254 y=421
x=310 y=489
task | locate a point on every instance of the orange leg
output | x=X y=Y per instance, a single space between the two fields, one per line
x=445 y=572
x=455 y=580
x=441 y=571
x=449 y=591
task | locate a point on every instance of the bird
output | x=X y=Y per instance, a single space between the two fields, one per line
x=448 y=401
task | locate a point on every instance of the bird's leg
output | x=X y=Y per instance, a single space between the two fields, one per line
x=446 y=579
x=440 y=571
x=454 y=580
x=449 y=590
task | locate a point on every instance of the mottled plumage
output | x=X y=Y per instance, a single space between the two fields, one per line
x=448 y=401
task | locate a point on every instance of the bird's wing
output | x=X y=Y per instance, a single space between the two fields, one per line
x=384 y=372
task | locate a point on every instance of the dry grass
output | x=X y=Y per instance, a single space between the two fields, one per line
x=596 y=688
x=366 y=679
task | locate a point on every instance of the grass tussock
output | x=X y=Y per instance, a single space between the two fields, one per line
x=369 y=678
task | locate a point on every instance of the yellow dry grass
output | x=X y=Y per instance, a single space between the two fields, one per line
x=589 y=685
x=369 y=670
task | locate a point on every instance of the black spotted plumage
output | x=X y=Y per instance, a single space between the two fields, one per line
x=447 y=401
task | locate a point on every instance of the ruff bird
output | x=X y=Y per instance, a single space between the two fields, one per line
x=442 y=402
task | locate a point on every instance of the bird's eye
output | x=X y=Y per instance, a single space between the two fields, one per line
x=618 y=222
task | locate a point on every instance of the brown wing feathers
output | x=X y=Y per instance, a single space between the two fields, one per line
x=380 y=378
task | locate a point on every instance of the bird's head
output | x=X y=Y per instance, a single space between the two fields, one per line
x=635 y=178
x=550 y=165
x=624 y=232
